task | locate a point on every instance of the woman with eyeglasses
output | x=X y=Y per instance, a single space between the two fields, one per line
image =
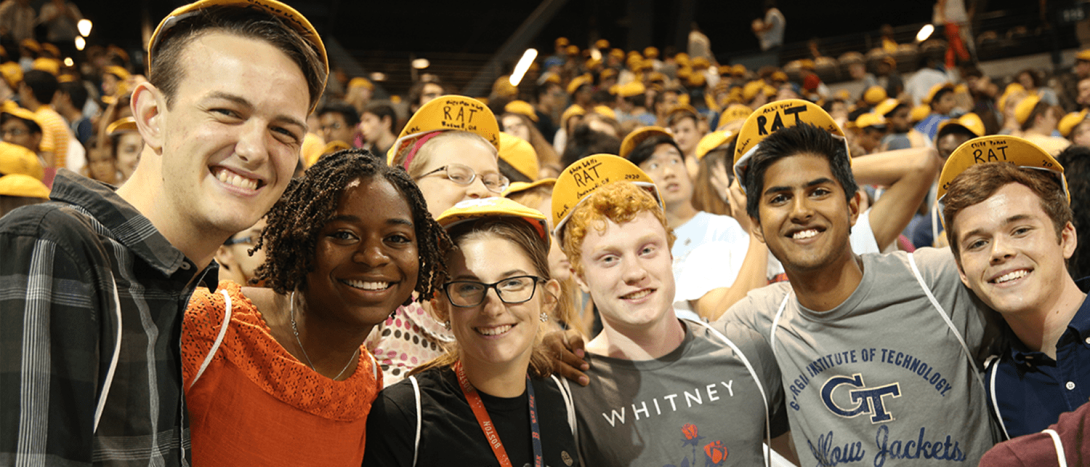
x=491 y=399
x=450 y=148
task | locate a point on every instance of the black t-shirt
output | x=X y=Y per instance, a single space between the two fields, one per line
x=450 y=434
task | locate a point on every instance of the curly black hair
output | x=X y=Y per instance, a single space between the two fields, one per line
x=310 y=201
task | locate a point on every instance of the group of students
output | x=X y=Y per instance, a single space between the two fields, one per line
x=411 y=312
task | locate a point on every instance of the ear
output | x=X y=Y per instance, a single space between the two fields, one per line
x=225 y=257
x=853 y=206
x=440 y=307
x=1069 y=240
x=755 y=228
x=552 y=298
x=148 y=104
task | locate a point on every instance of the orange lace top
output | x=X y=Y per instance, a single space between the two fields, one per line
x=256 y=404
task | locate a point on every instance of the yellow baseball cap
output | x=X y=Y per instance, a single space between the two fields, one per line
x=885 y=107
x=521 y=108
x=773 y=117
x=617 y=53
x=738 y=70
x=733 y=113
x=48 y=65
x=700 y=63
x=12 y=73
x=23 y=186
x=650 y=52
x=632 y=89
x=919 y=112
x=778 y=75
x=519 y=187
x=870 y=119
x=750 y=90
x=607 y=74
x=519 y=154
x=874 y=95
x=15 y=159
x=640 y=135
x=1010 y=89
x=587 y=175
x=712 y=141
x=570 y=112
x=999 y=148
x=281 y=11
x=1083 y=55
x=123 y=125
x=11 y=108
x=935 y=90
x=445 y=113
x=1070 y=121
x=561 y=42
x=970 y=121
x=1025 y=107
x=683 y=109
x=578 y=82
x=359 y=82
x=605 y=111
x=473 y=209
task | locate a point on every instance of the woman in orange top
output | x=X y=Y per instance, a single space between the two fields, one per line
x=279 y=376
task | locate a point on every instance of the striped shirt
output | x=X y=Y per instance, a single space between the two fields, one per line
x=91 y=303
x=55 y=134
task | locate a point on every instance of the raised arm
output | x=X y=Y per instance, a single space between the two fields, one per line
x=908 y=175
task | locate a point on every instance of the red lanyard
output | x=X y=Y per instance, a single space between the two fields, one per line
x=489 y=429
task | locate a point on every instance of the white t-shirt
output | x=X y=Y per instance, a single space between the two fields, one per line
x=774 y=36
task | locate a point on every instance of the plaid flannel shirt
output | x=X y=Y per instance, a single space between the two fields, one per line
x=91 y=303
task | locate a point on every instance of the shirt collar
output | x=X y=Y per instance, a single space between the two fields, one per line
x=122 y=220
x=1079 y=327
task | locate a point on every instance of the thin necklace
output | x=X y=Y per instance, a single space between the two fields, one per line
x=295 y=330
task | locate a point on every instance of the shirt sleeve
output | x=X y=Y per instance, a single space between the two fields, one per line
x=391 y=428
x=57 y=339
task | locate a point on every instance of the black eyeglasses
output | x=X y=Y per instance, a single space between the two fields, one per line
x=462 y=175
x=512 y=290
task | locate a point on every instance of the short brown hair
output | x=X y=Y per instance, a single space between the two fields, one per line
x=166 y=72
x=619 y=202
x=981 y=181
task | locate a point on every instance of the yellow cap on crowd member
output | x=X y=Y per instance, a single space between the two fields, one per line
x=919 y=112
x=444 y=113
x=1025 y=107
x=312 y=149
x=1083 y=55
x=1070 y=121
x=868 y=120
x=519 y=154
x=680 y=108
x=1007 y=92
x=734 y=113
x=697 y=79
x=521 y=108
x=12 y=73
x=359 y=82
x=11 y=108
x=651 y=52
x=578 y=82
x=48 y=65
x=682 y=59
x=601 y=44
x=51 y=49
x=570 y=112
x=607 y=74
x=750 y=90
x=587 y=175
x=122 y=125
x=738 y=70
x=32 y=45
x=971 y=122
x=701 y=63
x=935 y=90
x=773 y=117
x=281 y=11
x=561 y=42
x=572 y=50
x=23 y=186
x=605 y=111
x=15 y=159
x=638 y=136
x=778 y=76
x=474 y=209
x=713 y=141
x=999 y=148
x=885 y=107
x=617 y=53
x=519 y=187
x=874 y=95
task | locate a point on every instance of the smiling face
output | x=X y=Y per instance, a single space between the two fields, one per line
x=804 y=219
x=495 y=333
x=365 y=261
x=666 y=167
x=1009 y=252
x=627 y=269
x=230 y=140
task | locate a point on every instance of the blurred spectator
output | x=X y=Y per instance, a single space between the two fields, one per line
x=60 y=18
x=378 y=128
x=338 y=122
x=770 y=30
x=17 y=20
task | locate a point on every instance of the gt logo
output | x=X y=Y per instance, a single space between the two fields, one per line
x=867 y=400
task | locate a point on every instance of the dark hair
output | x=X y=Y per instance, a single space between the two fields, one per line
x=584 y=141
x=311 y=201
x=646 y=148
x=417 y=91
x=1033 y=76
x=381 y=110
x=77 y=93
x=801 y=139
x=511 y=172
x=349 y=113
x=1076 y=163
x=42 y=84
x=938 y=95
x=979 y=182
x=166 y=72
x=1038 y=110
